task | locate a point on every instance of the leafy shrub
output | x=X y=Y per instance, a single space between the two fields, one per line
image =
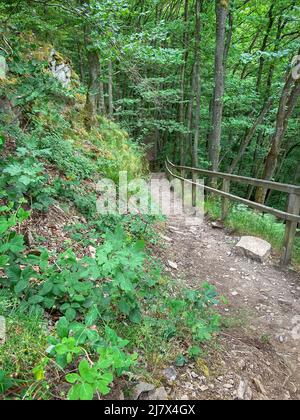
x=93 y=376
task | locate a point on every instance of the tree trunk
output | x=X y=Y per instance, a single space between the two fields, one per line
x=289 y=97
x=264 y=46
x=101 y=100
x=110 y=90
x=197 y=83
x=217 y=109
x=183 y=71
x=92 y=98
x=248 y=137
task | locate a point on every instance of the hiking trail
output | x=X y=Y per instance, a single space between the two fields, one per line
x=259 y=354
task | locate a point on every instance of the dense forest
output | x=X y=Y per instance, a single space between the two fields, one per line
x=89 y=88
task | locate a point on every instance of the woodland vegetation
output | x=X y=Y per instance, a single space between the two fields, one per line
x=212 y=84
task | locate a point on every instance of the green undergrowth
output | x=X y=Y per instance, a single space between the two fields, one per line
x=246 y=221
x=100 y=308
x=119 y=292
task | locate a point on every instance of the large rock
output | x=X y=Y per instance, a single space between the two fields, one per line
x=254 y=248
x=61 y=70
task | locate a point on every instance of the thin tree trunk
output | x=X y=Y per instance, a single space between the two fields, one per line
x=110 y=90
x=183 y=71
x=289 y=97
x=101 y=103
x=81 y=63
x=264 y=46
x=197 y=83
x=248 y=137
x=91 y=105
x=217 y=111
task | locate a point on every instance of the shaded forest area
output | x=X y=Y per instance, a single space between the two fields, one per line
x=215 y=84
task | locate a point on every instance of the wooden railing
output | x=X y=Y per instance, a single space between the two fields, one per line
x=291 y=216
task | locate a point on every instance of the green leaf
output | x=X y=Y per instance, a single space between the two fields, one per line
x=135 y=316
x=35 y=300
x=86 y=392
x=46 y=288
x=70 y=314
x=21 y=286
x=92 y=317
x=124 y=307
x=13 y=170
x=124 y=283
x=74 y=393
x=72 y=378
x=62 y=327
x=102 y=384
x=180 y=361
x=26 y=180
x=3 y=260
x=86 y=371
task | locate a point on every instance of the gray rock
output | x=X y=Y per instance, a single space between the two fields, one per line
x=255 y=248
x=140 y=388
x=228 y=386
x=242 y=390
x=170 y=374
x=61 y=71
x=158 y=394
x=92 y=251
x=173 y=265
x=259 y=386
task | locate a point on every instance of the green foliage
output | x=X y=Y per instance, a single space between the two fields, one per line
x=11 y=244
x=23 y=178
x=93 y=376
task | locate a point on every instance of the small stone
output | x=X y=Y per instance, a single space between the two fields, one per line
x=259 y=386
x=170 y=374
x=234 y=293
x=141 y=388
x=228 y=386
x=121 y=396
x=242 y=390
x=173 y=265
x=92 y=252
x=166 y=238
x=158 y=394
x=217 y=225
x=248 y=394
x=203 y=388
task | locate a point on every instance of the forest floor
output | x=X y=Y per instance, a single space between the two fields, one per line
x=257 y=354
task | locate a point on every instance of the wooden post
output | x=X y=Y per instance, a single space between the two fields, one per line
x=225 y=201
x=290 y=229
x=194 y=190
x=182 y=174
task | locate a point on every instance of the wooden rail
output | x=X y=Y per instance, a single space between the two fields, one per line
x=291 y=216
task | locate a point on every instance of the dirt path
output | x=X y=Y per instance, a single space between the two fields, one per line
x=259 y=355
